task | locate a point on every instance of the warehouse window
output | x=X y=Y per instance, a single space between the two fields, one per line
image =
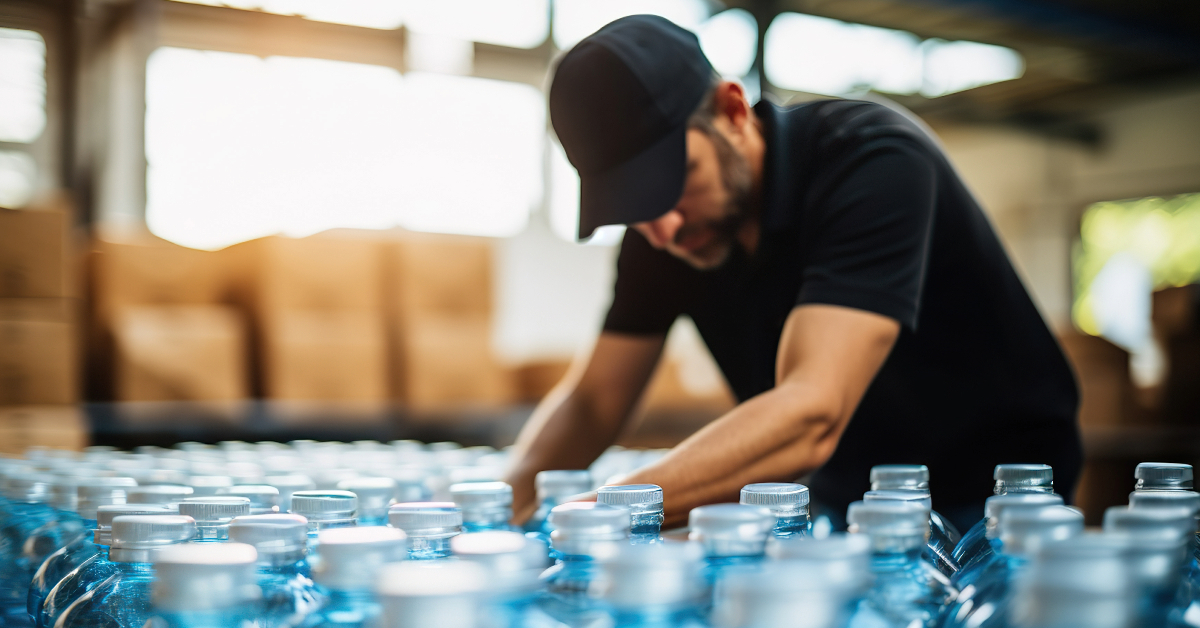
x=576 y=19
x=22 y=111
x=730 y=41
x=825 y=56
x=240 y=147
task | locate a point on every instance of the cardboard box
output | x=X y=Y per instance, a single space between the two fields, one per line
x=34 y=253
x=440 y=274
x=447 y=364
x=56 y=427
x=320 y=272
x=150 y=271
x=324 y=355
x=180 y=353
x=1105 y=387
x=535 y=380
x=38 y=352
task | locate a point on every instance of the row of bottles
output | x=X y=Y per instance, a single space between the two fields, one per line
x=385 y=539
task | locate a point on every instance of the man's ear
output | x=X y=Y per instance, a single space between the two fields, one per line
x=732 y=105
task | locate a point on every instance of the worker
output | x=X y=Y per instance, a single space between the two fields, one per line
x=850 y=288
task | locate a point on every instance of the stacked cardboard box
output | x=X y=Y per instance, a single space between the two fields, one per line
x=439 y=291
x=38 y=333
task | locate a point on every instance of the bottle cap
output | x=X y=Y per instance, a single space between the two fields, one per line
x=208 y=485
x=481 y=494
x=731 y=529
x=997 y=503
x=95 y=492
x=892 y=518
x=157 y=494
x=1165 y=499
x=1023 y=478
x=1156 y=527
x=193 y=578
x=1024 y=529
x=514 y=561
x=638 y=498
x=1082 y=581
x=899 y=476
x=264 y=499
x=271 y=534
x=562 y=483
x=655 y=575
x=775 y=494
x=375 y=494
x=588 y=528
x=351 y=557
x=900 y=495
x=426 y=519
x=1163 y=476
x=323 y=506
x=218 y=509
x=29 y=487
x=102 y=535
x=147 y=532
x=442 y=593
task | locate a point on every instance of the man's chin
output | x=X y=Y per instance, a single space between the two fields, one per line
x=708 y=257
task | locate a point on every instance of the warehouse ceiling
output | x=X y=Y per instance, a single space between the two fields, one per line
x=1080 y=54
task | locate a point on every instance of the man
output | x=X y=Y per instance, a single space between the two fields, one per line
x=849 y=286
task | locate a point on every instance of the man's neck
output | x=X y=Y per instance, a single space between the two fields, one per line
x=755 y=152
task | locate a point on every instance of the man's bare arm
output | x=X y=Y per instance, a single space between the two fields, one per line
x=828 y=356
x=584 y=414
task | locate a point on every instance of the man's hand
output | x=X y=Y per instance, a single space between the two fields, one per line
x=828 y=356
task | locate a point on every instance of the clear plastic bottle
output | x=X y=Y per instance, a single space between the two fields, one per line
x=163 y=494
x=288 y=484
x=264 y=499
x=733 y=536
x=1082 y=582
x=346 y=571
x=485 y=506
x=204 y=587
x=552 y=488
x=645 y=505
x=209 y=485
x=1015 y=479
x=429 y=526
x=787 y=501
x=213 y=515
x=375 y=495
x=655 y=585
x=809 y=583
x=432 y=594
x=985 y=589
x=288 y=592
x=122 y=600
x=1162 y=476
x=1159 y=543
x=514 y=563
x=584 y=534
x=908 y=590
x=1190 y=501
x=943 y=536
x=28 y=510
x=324 y=510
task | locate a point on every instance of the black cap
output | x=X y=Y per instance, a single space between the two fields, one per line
x=620 y=102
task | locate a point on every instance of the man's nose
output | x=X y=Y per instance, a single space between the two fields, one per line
x=661 y=231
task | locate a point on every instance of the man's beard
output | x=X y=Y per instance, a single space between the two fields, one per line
x=735 y=176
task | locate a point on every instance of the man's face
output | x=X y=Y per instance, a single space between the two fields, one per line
x=702 y=227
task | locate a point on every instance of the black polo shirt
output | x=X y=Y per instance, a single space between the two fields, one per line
x=861 y=209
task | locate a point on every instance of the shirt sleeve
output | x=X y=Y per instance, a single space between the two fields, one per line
x=872 y=234
x=650 y=289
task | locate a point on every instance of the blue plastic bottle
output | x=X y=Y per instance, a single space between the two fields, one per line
x=1190 y=501
x=288 y=592
x=584 y=533
x=1159 y=548
x=432 y=594
x=94 y=569
x=375 y=495
x=645 y=505
x=513 y=562
x=288 y=484
x=986 y=588
x=324 y=510
x=28 y=510
x=655 y=585
x=1010 y=478
x=429 y=526
x=213 y=515
x=122 y=600
x=552 y=488
x=908 y=590
x=1082 y=582
x=943 y=536
x=787 y=501
x=485 y=506
x=733 y=536
x=264 y=499
x=350 y=560
x=197 y=586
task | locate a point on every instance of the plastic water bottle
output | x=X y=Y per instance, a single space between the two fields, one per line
x=1162 y=476
x=163 y=494
x=66 y=527
x=349 y=563
x=431 y=594
x=94 y=569
x=485 y=505
x=552 y=488
x=653 y=586
x=645 y=505
x=943 y=536
x=584 y=534
x=513 y=562
x=288 y=484
x=324 y=510
x=810 y=583
x=976 y=544
x=264 y=499
x=908 y=590
x=122 y=600
x=375 y=495
x=429 y=526
x=90 y=495
x=1159 y=540
x=787 y=501
x=1083 y=582
x=985 y=590
x=288 y=592
x=28 y=510
x=938 y=548
x=209 y=485
x=204 y=586
x=1190 y=501
x=733 y=536
x=213 y=515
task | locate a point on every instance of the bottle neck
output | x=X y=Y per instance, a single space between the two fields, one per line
x=896 y=559
x=133 y=555
x=428 y=548
x=223 y=618
x=479 y=519
x=211 y=532
x=349 y=598
x=1002 y=488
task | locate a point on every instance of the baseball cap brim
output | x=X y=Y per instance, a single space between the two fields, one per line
x=641 y=188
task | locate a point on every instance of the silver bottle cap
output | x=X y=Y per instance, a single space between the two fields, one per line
x=135 y=537
x=193 y=578
x=1163 y=476
x=158 y=494
x=218 y=509
x=1023 y=478
x=731 y=529
x=638 y=498
x=351 y=557
x=271 y=534
x=1025 y=529
x=325 y=506
x=1165 y=499
x=102 y=535
x=264 y=498
x=588 y=528
x=427 y=520
x=375 y=494
x=95 y=492
x=208 y=485
x=775 y=494
x=901 y=476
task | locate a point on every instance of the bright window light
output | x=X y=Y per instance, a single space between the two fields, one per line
x=437 y=53
x=824 y=56
x=18 y=176
x=22 y=85
x=382 y=14
x=576 y=19
x=516 y=23
x=240 y=147
x=564 y=202
x=954 y=66
x=730 y=41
